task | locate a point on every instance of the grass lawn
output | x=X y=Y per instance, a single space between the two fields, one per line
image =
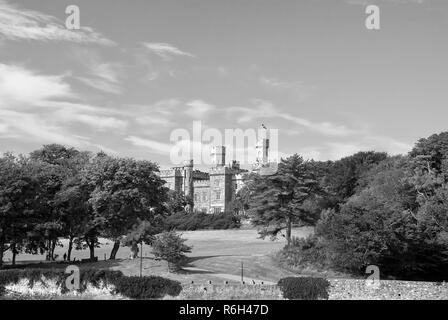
x=216 y=257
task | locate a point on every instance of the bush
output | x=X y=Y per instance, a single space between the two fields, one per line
x=33 y=275
x=305 y=252
x=170 y=246
x=304 y=288
x=200 y=221
x=131 y=287
x=147 y=287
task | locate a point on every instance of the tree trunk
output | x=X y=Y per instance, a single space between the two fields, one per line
x=48 y=256
x=14 y=253
x=53 y=247
x=2 y=246
x=70 y=248
x=114 y=250
x=288 y=230
x=92 y=249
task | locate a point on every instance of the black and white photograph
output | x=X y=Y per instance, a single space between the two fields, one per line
x=223 y=150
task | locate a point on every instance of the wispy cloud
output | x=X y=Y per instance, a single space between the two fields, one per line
x=157 y=147
x=20 y=85
x=298 y=90
x=18 y=23
x=265 y=109
x=41 y=107
x=165 y=50
x=198 y=109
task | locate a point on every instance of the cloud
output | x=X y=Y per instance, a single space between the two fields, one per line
x=20 y=85
x=101 y=84
x=298 y=90
x=155 y=117
x=157 y=147
x=198 y=108
x=34 y=128
x=97 y=122
x=337 y=150
x=265 y=109
x=17 y=23
x=165 y=50
x=104 y=76
x=40 y=107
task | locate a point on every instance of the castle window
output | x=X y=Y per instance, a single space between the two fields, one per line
x=196 y=197
x=204 y=196
x=218 y=195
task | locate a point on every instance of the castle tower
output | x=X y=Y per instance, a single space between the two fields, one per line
x=219 y=156
x=262 y=147
x=188 y=181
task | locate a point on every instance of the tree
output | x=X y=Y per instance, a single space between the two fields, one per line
x=391 y=223
x=124 y=191
x=177 y=202
x=23 y=201
x=171 y=247
x=54 y=154
x=65 y=164
x=279 y=200
x=344 y=177
x=435 y=149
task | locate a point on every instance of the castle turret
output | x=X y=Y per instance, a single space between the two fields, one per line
x=219 y=156
x=188 y=181
x=262 y=147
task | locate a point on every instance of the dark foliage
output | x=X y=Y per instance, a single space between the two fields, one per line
x=199 y=221
x=304 y=288
x=147 y=287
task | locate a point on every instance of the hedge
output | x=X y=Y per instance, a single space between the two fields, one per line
x=201 y=221
x=304 y=288
x=151 y=287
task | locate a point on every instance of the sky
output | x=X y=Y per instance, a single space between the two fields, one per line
x=138 y=70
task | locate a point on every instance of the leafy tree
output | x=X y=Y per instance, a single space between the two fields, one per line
x=54 y=154
x=343 y=177
x=65 y=164
x=24 y=202
x=279 y=200
x=171 y=247
x=391 y=223
x=124 y=192
x=435 y=150
x=177 y=202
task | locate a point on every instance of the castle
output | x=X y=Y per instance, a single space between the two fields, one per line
x=214 y=191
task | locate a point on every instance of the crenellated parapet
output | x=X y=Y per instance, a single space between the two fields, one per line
x=201 y=183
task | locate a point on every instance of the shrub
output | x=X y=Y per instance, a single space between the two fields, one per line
x=131 y=287
x=199 y=220
x=304 y=288
x=33 y=275
x=170 y=246
x=304 y=252
x=147 y=287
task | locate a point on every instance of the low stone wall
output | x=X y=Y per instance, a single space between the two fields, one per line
x=340 y=289
x=229 y=292
x=353 y=289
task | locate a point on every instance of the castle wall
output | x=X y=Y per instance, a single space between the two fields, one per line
x=202 y=196
x=212 y=192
